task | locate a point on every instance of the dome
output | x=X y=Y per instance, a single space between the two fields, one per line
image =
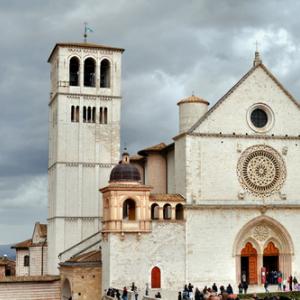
x=125 y=171
x=193 y=99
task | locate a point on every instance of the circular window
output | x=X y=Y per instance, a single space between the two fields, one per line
x=260 y=117
x=261 y=170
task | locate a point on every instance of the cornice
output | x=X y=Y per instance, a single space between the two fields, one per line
x=84 y=96
x=241 y=206
x=83 y=164
x=240 y=136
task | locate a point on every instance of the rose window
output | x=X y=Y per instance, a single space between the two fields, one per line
x=261 y=170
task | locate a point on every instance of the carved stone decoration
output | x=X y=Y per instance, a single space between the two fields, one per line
x=261 y=232
x=261 y=170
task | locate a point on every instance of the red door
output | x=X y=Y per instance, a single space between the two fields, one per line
x=155 y=278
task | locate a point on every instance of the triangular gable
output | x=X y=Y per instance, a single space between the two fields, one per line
x=223 y=98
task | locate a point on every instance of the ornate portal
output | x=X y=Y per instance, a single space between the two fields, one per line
x=261 y=170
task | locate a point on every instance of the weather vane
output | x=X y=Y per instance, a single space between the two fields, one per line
x=86 y=30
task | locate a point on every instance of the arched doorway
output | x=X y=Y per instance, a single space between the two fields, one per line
x=260 y=232
x=66 y=293
x=271 y=260
x=155 y=278
x=249 y=263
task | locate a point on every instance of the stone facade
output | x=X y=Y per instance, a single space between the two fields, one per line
x=84 y=140
x=81 y=277
x=236 y=167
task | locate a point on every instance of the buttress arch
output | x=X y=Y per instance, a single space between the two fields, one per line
x=259 y=232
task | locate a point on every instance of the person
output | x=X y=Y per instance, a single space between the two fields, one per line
x=240 y=287
x=290 y=281
x=185 y=293
x=136 y=293
x=295 y=281
x=158 y=295
x=147 y=289
x=284 y=285
x=118 y=295
x=245 y=287
x=132 y=287
x=125 y=294
x=190 y=289
x=266 y=286
x=215 y=288
x=279 y=283
x=198 y=295
x=179 y=296
x=229 y=289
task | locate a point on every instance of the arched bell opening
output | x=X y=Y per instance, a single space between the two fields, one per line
x=129 y=210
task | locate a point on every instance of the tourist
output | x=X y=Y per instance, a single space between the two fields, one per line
x=132 y=287
x=179 y=296
x=290 y=281
x=158 y=295
x=266 y=286
x=245 y=287
x=198 y=295
x=240 y=287
x=147 y=289
x=136 y=293
x=215 y=288
x=185 y=293
x=279 y=282
x=229 y=289
x=190 y=289
x=118 y=295
x=125 y=294
x=295 y=281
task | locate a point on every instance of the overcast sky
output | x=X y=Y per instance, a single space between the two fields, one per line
x=173 y=48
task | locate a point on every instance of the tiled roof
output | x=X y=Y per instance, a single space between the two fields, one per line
x=24 y=244
x=6 y=261
x=136 y=157
x=45 y=278
x=92 y=256
x=158 y=147
x=193 y=99
x=167 y=197
x=84 y=45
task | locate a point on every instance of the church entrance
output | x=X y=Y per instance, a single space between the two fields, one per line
x=249 y=263
x=271 y=262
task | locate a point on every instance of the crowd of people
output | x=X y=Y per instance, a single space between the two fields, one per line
x=208 y=293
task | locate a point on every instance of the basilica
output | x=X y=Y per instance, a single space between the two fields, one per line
x=222 y=200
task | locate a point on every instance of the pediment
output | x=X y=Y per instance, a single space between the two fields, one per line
x=258 y=88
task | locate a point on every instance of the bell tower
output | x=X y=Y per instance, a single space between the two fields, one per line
x=84 y=140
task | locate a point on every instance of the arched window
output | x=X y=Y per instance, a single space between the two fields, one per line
x=84 y=114
x=74 y=71
x=66 y=290
x=129 y=210
x=154 y=211
x=155 y=278
x=105 y=74
x=179 y=212
x=105 y=115
x=77 y=114
x=89 y=114
x=167 y=211
x=72 y=113
x=94 y=115
x=26 y=261
x=89 y=72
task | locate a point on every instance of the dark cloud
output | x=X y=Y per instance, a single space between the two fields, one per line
x=173 y=48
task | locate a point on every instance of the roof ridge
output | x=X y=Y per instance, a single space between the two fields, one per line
x=223 y=98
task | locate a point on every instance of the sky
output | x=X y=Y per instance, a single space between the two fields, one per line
x=173 y=48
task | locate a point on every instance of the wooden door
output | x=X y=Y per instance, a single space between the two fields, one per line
x=250 y=252
x=253 y=269
x=155 y=278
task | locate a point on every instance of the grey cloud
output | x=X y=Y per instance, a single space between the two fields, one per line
x=173 y=47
